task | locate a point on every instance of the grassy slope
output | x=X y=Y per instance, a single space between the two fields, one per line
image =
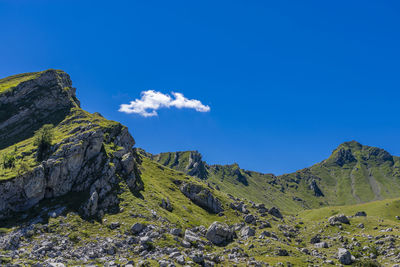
x=369 y=177
x=10 y=82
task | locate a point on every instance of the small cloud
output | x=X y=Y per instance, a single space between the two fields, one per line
x=151 y=101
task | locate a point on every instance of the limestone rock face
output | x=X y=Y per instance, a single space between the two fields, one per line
x=219 y=233
x=202 y=197
x=78 y=163
x=43 y=100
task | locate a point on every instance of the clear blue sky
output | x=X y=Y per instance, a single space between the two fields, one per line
x=287 y=81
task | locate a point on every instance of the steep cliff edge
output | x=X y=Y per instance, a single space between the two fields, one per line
x=89 y=154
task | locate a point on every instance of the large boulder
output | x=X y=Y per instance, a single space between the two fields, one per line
x=220 y=234
x=344 y=256
x=275 y=212
x=360 y=214
x=202 y=197
x=338 y=219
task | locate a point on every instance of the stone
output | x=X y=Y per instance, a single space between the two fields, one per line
x=137 y=228
x=344 y=256
x=338 y=219
x=220 y=234
x=282 y=252
x=247 y=232
x=321 y=245
x=176 y=231
x=249 y=218
x=360 y=214
x=166 y=204
x=275 y=212
x=202 y=197
x=114 y=225
x=315 y=239
x=191 y=237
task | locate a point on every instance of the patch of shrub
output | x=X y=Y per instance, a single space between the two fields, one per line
x=8 y=160
x=43 y=139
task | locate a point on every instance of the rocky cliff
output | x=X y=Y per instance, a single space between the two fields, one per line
x=89 y=154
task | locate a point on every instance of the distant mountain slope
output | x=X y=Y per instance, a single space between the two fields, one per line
x=352 y=174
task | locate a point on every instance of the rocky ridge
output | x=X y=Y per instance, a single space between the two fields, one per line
x=78 y=160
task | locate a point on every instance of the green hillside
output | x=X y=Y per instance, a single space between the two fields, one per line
x=352 y=174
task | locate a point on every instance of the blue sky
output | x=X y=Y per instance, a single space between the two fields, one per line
x=286 y=81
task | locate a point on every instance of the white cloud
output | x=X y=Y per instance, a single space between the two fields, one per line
x=151 y=101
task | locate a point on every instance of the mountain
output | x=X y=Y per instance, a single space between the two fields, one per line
x=89 y=154
x=74 y=191
x=352 y=174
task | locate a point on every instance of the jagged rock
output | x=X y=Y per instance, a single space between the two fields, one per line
x=321 y=245
x=360 y=214
x=191 y=237
x=275 y=212
x=338 y=219
x=10 y=242
x=282 y=252
x=265 y=224
x=219 y=233
x=315 y=239
x=202 y=197
x=166 y=204
x=176 y=231
x=314 y=187
x=137 y=228
x=344 y=156
x=47 y=99
x=247 y=232
x=344 y=256
x=249 y=218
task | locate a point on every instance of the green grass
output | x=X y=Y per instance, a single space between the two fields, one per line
x=13 y=81
x=6 y=84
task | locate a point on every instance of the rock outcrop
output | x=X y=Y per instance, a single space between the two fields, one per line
x=90 y=157
x=220 y=234
x=46 y=99
x=202 y=197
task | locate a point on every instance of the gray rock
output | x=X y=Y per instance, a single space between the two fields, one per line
x=338 y=219
x=219 y=234
x=321 y=245
x=344 y=256
x=202 y=197
x=191 y=237
x=176 y=231
x=114 y=225
x=166 y=204
x=360 y=214
x=315 y=239
x=275 y=212
x=137 y=228
x=249 y=218
x=247 y=232
x=282 y=252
